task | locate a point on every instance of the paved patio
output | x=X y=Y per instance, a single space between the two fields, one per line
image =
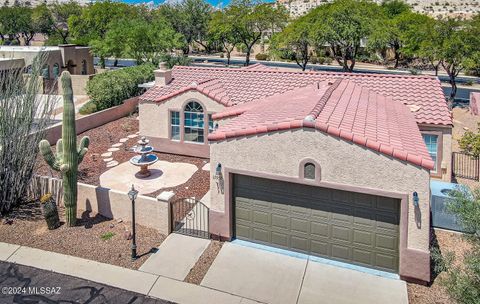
x=272 y=277
x=164 y=175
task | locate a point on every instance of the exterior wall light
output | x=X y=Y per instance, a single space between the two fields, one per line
x=415 y=199
x=218 y=172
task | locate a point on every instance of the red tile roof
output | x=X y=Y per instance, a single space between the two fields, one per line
x=342 y=108
x=230 y=87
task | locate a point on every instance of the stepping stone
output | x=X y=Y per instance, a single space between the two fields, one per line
x=206 y=167
x=106 y=154
x=113 y=149
x=122 y=140
x=108 y=159
x=132 y=136
x=112 y=164
x=117 y=145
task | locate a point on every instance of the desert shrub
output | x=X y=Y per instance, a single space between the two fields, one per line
x=261 y=56
x=112 y=88
x=463 y=277
x=88 y=108
x=328 y=60
x=470 y=143
x=314 y=59
x=172 y=61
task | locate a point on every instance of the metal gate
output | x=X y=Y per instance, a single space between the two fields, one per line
x=190 y=217
x=465 y=166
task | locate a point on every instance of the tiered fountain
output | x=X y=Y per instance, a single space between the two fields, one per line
x=144 y=157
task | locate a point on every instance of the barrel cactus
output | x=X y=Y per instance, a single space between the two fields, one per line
x=50 y=212
x=68 y=154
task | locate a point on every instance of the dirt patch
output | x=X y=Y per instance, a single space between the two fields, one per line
x=84 y=241
x=435 y=293
x=198 y=272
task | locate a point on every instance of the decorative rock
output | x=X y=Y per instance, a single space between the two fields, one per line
x=7 y=221
x=132 y=136
x=119 y=221
x=122 y=140
x=117 y=145
x=108 y=159
x=127 y=235
x=113 y=149
x=206 y=167
x=113 y=163
x=466 y=128
x=165 y=196
x=107 y=154
x=112 y=225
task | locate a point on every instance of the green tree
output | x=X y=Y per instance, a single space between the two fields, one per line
x=295 y=41
x=60 y=13
x=92 y=25
x=190 y=18
x=220 y=29
x=342 y=25
x=463 y=279
x=252 y=20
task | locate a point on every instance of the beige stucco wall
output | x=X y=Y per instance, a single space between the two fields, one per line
x=446 y=163
x=154 y=117
x=341 y=162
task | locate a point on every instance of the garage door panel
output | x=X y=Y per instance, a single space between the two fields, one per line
x=351 y=227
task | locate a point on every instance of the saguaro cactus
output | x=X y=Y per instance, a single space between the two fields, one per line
x=68 y=155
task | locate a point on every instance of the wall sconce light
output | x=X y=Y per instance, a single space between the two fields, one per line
x=218 y=172
x=415 y=199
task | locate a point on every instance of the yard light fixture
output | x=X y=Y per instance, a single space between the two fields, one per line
x=132 y=195
x=415 y=199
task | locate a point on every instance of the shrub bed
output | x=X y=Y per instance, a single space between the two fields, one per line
x=112 y=88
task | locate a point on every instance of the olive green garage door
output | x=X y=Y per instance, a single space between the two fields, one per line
x=346 y=226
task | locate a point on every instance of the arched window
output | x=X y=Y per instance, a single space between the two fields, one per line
x=309 y=171
x=84 y=67
x=194 y=122
x=56 y=70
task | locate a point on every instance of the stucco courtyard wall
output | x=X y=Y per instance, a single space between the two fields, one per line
x=149 y=212
x=155 y=122
x=280 y=154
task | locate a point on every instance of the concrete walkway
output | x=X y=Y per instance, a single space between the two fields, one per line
x=272 y=277
x=175 y=256
x=133 y=280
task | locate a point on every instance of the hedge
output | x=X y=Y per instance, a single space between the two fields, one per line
x=112 y=88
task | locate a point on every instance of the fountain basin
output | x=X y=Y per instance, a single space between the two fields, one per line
x=143 y=161
x=144 y=150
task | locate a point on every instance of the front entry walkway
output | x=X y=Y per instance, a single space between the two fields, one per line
x=175 y=256
x=272 y=277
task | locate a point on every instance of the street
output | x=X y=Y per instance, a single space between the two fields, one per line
x=23 y=284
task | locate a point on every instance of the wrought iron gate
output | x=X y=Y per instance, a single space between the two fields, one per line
x=190 y=217
x=465 y=166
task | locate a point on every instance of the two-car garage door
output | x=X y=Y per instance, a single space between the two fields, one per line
x=347 y=226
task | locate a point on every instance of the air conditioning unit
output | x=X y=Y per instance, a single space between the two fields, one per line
x=440 y=215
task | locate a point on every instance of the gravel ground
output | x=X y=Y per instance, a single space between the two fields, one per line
x=85 y=240
x=435 y=293
x=103 y=137
x=198 y=272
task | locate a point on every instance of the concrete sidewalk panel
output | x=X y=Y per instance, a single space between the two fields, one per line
x=175 y=256
x=116 y=276
x=185 y=293
x=6 y=250
x=329 y=284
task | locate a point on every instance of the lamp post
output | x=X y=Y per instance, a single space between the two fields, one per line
x=132 y=194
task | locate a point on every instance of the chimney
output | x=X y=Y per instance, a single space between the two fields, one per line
x=163 y=75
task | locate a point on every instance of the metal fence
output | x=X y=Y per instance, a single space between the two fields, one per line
x=465 y=166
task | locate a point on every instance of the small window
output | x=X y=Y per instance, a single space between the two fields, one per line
x=175 y=125
x=194 y=122
x=46 y=71
x=309 y=171
x=431 y=141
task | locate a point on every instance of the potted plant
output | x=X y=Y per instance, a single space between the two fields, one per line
x=50 y=212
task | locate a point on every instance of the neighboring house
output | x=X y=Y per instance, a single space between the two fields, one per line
x=329 y=164
x=67 y=57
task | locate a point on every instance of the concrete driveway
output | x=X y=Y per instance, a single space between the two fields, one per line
x=271 y=277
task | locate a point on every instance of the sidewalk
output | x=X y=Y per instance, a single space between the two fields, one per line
x=133 y=280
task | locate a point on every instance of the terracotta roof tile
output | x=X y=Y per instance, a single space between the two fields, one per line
x=342 y=108
x=238 y=86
